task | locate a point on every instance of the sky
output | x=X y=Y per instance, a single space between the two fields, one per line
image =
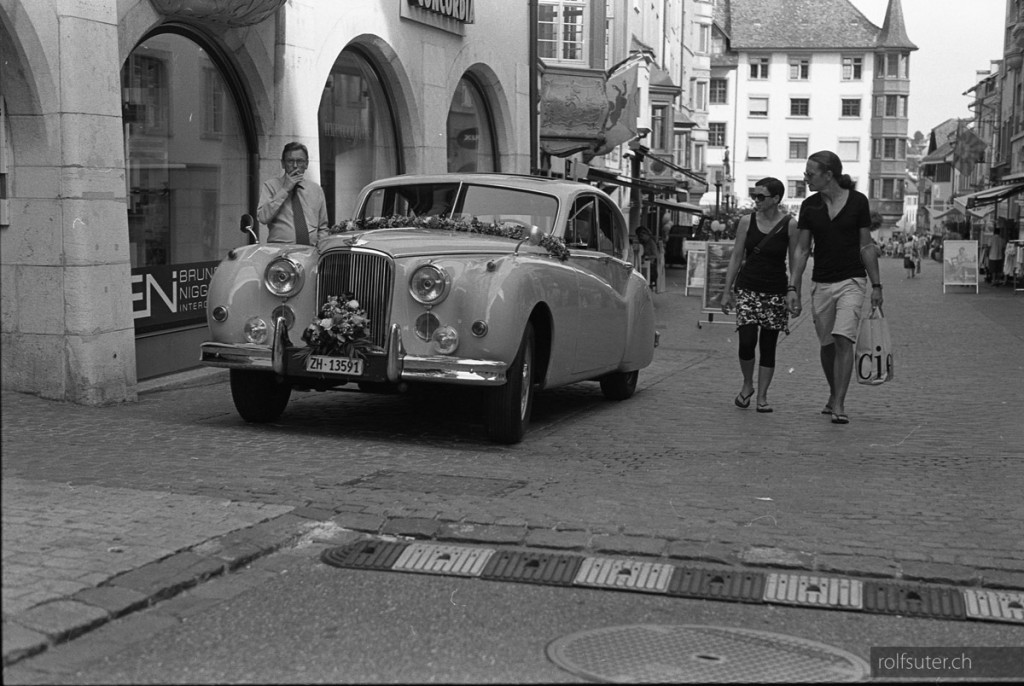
x=955 y=39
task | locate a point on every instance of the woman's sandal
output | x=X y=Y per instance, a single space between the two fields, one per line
x=840 y=419
x=764 y=407
x=743 y=402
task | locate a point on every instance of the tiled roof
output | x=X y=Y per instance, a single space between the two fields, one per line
x=794 y=24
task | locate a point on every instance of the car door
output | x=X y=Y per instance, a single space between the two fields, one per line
x=595 y=236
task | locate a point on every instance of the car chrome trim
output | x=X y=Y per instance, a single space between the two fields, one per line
x=235 y=355
x=454 y=370
x=279 y=347
x=394 y=353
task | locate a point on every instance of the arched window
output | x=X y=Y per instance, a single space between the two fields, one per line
x=188 y=175
x=470 y=131
x=358 y=137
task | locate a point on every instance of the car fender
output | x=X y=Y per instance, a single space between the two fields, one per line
x=640 y=341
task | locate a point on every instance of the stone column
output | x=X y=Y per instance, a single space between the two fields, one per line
x=68 y=331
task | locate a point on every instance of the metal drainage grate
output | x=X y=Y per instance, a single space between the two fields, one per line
x=999 y=606
x=647 y=653
x=747 y=587
x=819 y=591
x=607 y=572
x=914 y=601
x=443 y=559
x=366 y=554
x=539 y=568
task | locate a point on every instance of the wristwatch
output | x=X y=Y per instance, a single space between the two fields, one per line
x=876 y=285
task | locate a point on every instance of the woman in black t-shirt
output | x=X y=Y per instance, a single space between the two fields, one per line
x=757 y=269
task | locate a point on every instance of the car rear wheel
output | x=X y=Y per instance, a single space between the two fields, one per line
x=259 y=397
x=619 y=385
x=508 y=406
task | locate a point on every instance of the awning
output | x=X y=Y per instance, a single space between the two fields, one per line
x=990 y=195
x=681 y=206
x=603 y=176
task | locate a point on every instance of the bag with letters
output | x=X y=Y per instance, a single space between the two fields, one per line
x=873 y=361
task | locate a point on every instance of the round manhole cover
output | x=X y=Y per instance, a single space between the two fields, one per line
x=691 y=653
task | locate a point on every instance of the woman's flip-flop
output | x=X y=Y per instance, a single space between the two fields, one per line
x=840 y=419
x=764 y=408
x=827 y=409
x=743 y=402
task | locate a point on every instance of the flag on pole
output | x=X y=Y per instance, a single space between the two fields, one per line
x=968 y=149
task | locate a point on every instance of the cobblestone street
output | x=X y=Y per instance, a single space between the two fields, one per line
x=925 y=483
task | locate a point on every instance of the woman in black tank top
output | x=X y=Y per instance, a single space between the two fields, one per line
x=756 y=283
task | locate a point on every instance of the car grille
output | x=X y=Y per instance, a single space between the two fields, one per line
x=368 y=276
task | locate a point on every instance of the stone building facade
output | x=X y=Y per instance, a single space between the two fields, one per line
x=134 y=133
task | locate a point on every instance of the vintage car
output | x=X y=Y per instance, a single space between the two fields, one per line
x=513 y=283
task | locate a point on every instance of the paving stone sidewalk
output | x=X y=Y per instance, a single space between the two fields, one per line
x=80 y=552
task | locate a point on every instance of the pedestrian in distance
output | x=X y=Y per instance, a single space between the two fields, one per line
x=909 y=257
x=291 y=206
x=757 y=270
x=838 y=218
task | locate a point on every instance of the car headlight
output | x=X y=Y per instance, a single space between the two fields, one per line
x=255 y=330
x=284 y=277
x=429 y=284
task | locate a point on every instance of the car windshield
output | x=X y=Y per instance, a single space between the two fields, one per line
x=486 y=204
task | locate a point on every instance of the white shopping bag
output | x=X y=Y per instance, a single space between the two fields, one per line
x=873 y=361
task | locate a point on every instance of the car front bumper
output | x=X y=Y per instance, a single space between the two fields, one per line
x=391 y=366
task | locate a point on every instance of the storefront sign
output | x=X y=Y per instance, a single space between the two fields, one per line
x=459 y=10
x=468 y=138
x=715 y=267
x=168 y=296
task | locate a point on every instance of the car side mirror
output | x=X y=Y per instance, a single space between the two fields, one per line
x=247 y=227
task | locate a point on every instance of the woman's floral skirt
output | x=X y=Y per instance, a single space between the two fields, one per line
x=767 y=310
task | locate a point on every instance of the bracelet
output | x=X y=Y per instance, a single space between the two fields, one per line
x=791 y=289
x=876 y=285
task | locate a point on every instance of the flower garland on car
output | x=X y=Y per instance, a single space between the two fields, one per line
x=342 y=329
x=555 y=246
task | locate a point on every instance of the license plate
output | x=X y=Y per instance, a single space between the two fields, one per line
x=334 y=365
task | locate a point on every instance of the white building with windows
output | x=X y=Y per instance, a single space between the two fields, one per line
x=792 y=78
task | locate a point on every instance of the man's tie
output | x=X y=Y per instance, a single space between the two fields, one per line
x=299 y=219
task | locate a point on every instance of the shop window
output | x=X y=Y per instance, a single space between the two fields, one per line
x=470 y=131
x=358 y=139
x=187 y=174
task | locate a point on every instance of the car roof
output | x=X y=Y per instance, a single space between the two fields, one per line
x=538 y=183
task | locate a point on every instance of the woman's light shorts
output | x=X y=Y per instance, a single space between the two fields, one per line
x=837 y=308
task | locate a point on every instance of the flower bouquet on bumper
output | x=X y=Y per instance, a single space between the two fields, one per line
x=342 y=328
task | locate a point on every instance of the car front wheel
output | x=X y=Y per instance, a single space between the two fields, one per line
x=508 y=406
x=259 y=396
x=619 y=385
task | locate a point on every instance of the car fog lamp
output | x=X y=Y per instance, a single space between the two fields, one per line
x=446 y=340
x=429 y=284
x=283 y=277
x=426 y=325
x=479 y=328
x=256 y=330
x=220 y=313
x=287 y=313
